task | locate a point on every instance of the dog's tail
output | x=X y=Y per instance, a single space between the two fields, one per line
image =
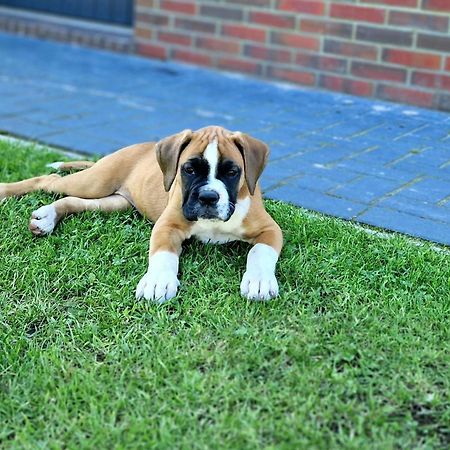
x=70 y=165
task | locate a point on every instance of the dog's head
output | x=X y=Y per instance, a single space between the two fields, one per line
x=213 y=166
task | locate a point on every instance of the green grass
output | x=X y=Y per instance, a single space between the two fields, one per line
x=354 y=354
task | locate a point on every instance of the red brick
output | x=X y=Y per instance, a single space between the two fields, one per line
x=153 y=19
x=142 y=32
x=413 y=59
x=347 y=85
x=319 y=62
x=174 y=38
x=192 y=57
x=252 y=2
x=378 y=72
x=431 y=80
x=350 y=49
x=418 y=20
x=221 y=12
x=442 y=101
x=447 y=64
x=267 y=54
x=404 y=95
x=273 y=20
x=240 y=65
x=326 y=27
x=195 y=25
x=177 y=6
x=350 y=12
x=244 y=32
x=295 y=40
x=404 y=3
x=220 y=45
x=303 y=6
x=145 y=3
x=437 y=5
x=293 y=76
x=434 y=42
x=151 y=50
x=384 y=35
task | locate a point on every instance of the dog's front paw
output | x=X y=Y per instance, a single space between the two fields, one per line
x=157 y=286
x=257 y=285
x=43 y=220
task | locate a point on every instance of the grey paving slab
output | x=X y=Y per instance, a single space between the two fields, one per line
x=412 y=224
x=318 y=201
x=368 y=189
x=424 y=209
x=428 y=189
x=32 y=130
x=379 y=163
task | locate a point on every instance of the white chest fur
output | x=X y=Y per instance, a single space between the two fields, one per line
x=219 y=232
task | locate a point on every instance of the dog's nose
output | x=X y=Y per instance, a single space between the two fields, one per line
x=208 y=197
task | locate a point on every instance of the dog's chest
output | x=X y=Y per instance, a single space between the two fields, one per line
x=218 y=232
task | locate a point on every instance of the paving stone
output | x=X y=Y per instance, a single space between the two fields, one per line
x=382 y=172
x=302 y=164
x=430 y=159
x=72 y=140
x=367 y=189
x=430 y=189
x=415 y=207
x=23 y=128
x=318 y=201
x=407 y=223
x=430 y=132
x=387 y=154
x=313 y=183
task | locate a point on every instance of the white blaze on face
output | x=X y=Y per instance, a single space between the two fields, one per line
x=211 y=155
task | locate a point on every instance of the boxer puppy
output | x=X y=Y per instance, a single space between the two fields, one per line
x=201 y=184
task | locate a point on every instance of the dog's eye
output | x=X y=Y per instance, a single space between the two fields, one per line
x=231 y=173
x=189 y=170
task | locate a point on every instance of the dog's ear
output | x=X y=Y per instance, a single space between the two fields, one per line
x=255 y=154
x=168 y=152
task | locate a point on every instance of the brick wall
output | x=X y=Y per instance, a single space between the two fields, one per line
x=391 y=49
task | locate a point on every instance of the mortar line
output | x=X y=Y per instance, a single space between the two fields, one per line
x=408 y=133
x=353 y=155
x=409 y=154
x=389 y=194
x=443 y=201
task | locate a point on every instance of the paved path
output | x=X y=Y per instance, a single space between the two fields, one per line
x=378 y=163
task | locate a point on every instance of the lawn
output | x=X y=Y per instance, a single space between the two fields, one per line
x=354 y=354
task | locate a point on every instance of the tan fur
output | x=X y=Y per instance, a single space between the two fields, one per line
x=133 y=173
x=75 y=165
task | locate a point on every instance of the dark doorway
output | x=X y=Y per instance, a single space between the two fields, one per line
x=118 y=12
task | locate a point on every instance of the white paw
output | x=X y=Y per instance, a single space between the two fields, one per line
x=157 y=286
x=259 y=282
x=43 y=220
x=258 y=285
x=55 y=165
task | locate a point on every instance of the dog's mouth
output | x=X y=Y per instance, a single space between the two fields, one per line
x=198 y=211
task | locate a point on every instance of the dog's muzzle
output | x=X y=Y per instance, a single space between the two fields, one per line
x=206 y=204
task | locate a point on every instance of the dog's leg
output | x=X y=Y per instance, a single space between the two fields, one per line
x=44 y=219
x=259 y=281
x=24 y=187
x=102 y=179
x=85 y=184
x=160 y=283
